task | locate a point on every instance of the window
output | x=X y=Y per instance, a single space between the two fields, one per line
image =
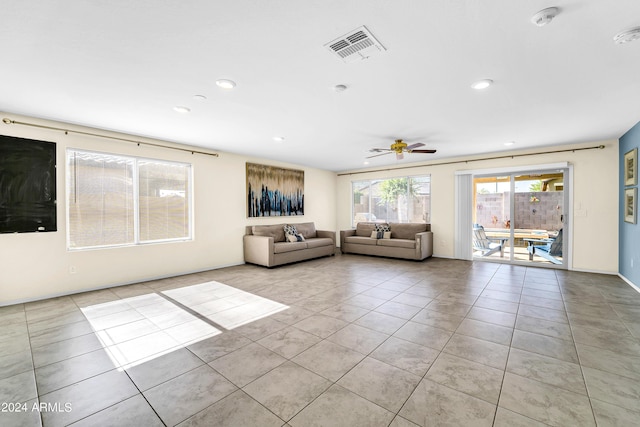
x=405 y=199
x=118 y=200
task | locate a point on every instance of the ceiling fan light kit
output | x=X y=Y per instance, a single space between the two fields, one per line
x=399 y=147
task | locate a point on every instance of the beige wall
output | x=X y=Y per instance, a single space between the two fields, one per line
x=595 y=226
x=37 y=265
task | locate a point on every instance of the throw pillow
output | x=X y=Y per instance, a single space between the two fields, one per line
x=290 y=230
x=382 y=227
x=292 y=234
x=381 y=231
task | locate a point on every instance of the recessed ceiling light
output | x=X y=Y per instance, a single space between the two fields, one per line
x=627 y=36
x=482 y=84
x=545 y=16
x=200 y=97
x=366 y=163
x=509 y=143
x=182 y=109
x=226 y=84
x=340 y=88
x=278 y=138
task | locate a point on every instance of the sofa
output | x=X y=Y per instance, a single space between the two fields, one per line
x=408 y=241
x=267 y=245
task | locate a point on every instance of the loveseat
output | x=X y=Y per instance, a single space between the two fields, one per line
x=267 y=245
x=409 y=241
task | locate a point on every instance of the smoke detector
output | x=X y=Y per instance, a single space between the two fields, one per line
x=545 y=16
x=627 y=36
x=356 y=45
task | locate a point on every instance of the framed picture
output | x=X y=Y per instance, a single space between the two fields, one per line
x=631 y=167
x=630 y=206
x=273 y=191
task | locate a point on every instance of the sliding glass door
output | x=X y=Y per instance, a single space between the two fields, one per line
x=520 y=218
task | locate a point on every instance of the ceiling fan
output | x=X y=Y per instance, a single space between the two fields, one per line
x=399 y=147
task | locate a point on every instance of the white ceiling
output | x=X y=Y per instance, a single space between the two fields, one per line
x=123 y=65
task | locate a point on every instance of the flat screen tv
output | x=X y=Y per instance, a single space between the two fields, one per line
x=27 y=185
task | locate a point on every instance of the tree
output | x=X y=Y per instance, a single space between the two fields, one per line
x=535 y=186
x=393 y=191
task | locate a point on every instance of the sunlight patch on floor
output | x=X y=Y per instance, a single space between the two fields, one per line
x=141 y=328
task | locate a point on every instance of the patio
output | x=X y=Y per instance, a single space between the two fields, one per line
x=520 y=252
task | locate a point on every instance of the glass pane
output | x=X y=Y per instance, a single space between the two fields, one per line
x=539 y=206
x=492 y=223
x=100 y=193
x=406 y=199
x=420 y=200
x=164 y=200
x=362 y=202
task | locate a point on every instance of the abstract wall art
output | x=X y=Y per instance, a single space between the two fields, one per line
x=274 y=191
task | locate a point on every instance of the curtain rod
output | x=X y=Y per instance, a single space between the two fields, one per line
x=67 y=131
x=509 y=156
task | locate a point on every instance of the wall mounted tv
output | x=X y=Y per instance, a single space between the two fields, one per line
x=27 y=185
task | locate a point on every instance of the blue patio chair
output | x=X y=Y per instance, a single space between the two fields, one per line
x=487 y=245
x=549 y=249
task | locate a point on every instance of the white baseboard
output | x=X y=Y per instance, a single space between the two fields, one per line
x=582 y=270
x=629 y=282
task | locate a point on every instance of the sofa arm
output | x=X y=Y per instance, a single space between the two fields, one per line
x=258 y=250
x=424 y=244
x=329 y=234
x=343 y=234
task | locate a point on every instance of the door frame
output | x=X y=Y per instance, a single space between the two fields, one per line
x=464 y=202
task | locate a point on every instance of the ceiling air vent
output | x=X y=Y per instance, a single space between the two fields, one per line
x=356 y=45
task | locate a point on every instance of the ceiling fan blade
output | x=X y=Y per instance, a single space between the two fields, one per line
x=377 y=150
x=378 y=155
x=399 y=156
x=423 y=151
x=412 y=146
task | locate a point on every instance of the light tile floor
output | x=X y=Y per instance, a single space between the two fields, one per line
x=342 y=341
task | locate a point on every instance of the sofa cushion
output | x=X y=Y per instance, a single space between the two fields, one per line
x=397 y=243
x=274 y=231
x=360 y=240
x=364 y=229
x=406 y=231
x=307 y=230
x=282 y=247
x=319 y=241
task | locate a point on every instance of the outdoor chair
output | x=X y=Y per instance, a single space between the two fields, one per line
x=487 y=245
x=549 y=249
